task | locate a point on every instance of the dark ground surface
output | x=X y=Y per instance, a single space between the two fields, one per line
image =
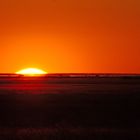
x=69 y=108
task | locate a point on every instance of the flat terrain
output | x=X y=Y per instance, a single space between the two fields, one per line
x=63 y=108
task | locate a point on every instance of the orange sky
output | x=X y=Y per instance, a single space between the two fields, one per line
x=70 y=35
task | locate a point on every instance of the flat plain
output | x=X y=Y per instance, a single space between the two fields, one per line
x=63 y=108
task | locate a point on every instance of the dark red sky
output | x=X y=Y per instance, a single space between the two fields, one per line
x=70 y=35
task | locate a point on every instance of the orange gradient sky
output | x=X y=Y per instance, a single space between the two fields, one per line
x=70 y=35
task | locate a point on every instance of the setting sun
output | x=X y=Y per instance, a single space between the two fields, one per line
x=31 y=72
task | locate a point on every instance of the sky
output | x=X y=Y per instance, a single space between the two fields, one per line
x=91 y=36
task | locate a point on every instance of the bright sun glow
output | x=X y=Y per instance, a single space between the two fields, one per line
x=31 y=72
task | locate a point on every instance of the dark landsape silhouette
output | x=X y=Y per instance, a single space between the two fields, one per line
x=70 y=106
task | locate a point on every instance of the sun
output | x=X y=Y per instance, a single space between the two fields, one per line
x=31 y=72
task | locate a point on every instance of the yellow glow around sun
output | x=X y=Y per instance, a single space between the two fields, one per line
x=31 y=72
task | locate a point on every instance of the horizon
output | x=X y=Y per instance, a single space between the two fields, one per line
x=71 y=75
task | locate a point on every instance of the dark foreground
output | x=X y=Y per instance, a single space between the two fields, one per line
x=70 y=108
